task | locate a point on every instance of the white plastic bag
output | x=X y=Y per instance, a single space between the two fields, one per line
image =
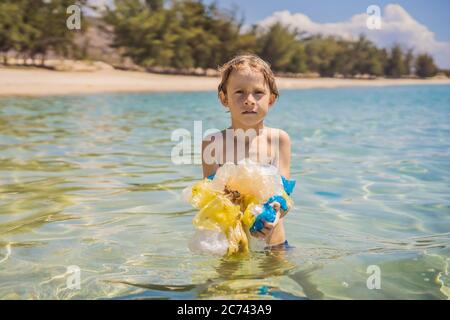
x=209 y=242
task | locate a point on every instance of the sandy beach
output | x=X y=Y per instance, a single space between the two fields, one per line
x=41 y=82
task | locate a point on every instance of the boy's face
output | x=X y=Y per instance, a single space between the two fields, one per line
x=248 y=96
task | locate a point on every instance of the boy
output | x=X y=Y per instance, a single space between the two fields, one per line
x=248 y=90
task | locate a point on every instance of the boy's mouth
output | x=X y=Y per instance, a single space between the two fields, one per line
x=249 y=112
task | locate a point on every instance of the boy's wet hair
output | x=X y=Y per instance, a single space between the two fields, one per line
x=247 y=60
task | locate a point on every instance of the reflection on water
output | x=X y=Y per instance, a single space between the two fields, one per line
x=88 y=181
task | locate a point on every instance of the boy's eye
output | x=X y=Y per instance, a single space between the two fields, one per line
x=259 y=92
x=239 y=91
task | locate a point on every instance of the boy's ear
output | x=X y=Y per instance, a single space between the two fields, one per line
x=271 y=100
x=223 y=98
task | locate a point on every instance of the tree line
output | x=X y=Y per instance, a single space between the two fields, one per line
x=186 y=34
x=33 y=28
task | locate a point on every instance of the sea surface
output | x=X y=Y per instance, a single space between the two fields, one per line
x=89 y=192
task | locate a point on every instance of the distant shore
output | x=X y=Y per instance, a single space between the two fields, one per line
x=41 y=82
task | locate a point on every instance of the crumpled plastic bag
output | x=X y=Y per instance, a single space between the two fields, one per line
x=209 y=241
x=233 y=202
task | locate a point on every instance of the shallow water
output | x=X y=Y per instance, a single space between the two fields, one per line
x=88 y=181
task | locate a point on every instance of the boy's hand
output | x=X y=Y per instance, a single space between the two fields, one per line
x=269 y=226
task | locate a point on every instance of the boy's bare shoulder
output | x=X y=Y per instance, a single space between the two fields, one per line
x=282 y=135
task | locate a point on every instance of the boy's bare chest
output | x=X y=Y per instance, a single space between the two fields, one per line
x=260 y=149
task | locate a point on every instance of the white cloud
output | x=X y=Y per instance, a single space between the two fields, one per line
x=397 y=26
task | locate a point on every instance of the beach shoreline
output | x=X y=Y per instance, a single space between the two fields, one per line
x=42 y=82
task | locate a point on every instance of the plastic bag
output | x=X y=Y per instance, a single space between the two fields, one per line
x=233 y=202
x=208 y=241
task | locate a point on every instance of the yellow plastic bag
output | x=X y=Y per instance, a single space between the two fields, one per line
x=229 y=203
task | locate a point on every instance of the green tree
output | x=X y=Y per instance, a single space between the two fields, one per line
x=395 y=65
x=143 y=32
x=155 y=5
x=33 y=27
x=278 y=46
x=185 y=34
x=425 y=66
x=408 y=61
x=48 y=18
x=326 y=55
x=298 y=60
x=367 y=58
x=11 y=26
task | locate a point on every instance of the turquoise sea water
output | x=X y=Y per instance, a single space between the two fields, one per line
x=88 y=181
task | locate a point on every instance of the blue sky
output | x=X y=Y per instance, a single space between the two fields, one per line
x=417 y=24
x=431 y=13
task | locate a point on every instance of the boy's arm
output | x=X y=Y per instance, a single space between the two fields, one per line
x=208 y=167
x=284 y=168
x=285 y=154
x=285 y=160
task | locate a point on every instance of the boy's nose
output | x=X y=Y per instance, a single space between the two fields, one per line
x=249 y=101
